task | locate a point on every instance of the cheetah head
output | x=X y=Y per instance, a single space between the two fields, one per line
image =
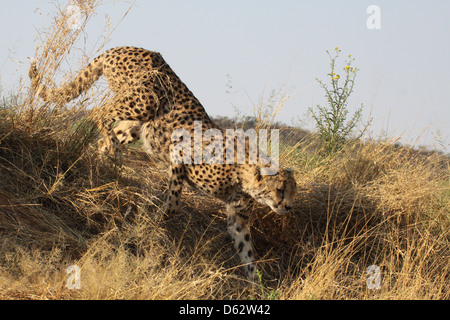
x=276 y=191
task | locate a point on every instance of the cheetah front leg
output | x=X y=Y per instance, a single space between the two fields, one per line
x=238 y=230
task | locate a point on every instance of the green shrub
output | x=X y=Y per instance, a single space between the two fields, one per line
x=330 y=121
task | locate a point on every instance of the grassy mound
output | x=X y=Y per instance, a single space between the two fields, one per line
x=371 y=204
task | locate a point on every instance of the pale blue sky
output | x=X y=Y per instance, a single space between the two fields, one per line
x=260 y=46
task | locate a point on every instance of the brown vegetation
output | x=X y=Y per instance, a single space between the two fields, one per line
x=370 y=204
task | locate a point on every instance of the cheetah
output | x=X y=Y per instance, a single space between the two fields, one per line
x=152 y=104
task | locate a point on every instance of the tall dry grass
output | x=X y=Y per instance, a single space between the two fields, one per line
x=377 y=204
x=370 y=204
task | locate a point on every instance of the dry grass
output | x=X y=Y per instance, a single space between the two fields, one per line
x=371 y=204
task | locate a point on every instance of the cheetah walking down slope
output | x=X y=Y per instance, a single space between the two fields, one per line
x=153 y=104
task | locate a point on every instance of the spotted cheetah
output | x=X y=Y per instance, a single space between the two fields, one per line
x=152 y=104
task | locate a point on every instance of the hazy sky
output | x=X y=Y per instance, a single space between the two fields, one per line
x=259 y=46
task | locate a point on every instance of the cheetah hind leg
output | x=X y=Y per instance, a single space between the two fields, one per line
x=110 y=144
x=126 y=132
x=109 y=114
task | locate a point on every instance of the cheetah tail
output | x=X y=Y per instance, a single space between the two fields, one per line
x=68 y=91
